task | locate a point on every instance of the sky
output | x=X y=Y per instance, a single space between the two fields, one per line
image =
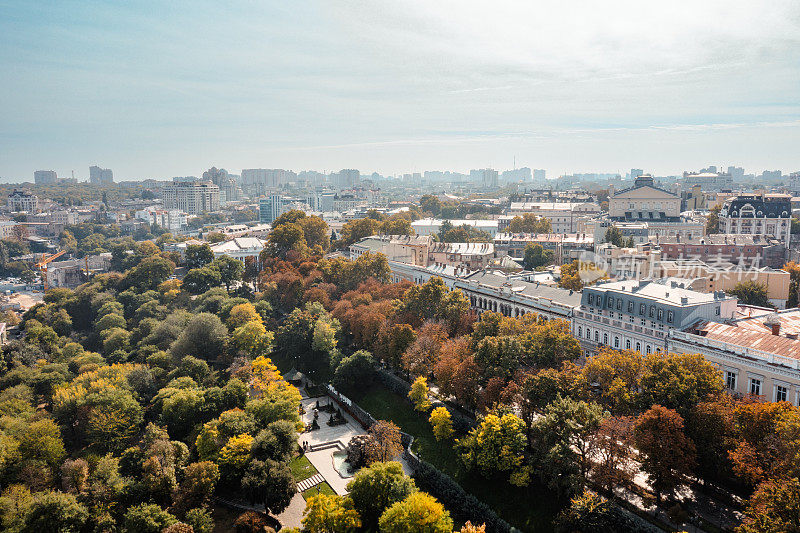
x=162 y=89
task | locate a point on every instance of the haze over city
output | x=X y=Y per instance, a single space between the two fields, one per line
x=156 y=90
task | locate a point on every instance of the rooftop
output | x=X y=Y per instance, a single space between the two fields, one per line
x=756 y=332
x=667 y=290
x=529 y=289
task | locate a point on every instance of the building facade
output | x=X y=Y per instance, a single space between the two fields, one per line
x=564 y=217
x=758 y=214
x=100 y=176
x=23 y=201
x=45 y=177
x=191 y=197
x=638 y=315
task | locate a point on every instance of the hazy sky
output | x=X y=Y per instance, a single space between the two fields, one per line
x=159 y=89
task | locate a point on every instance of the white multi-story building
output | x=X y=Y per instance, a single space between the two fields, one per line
x=644 y=201
x=758 y=214
x=563 y=216
x=169 y=219
x=410 y=249
x=100 y=176
x=239 y=248
x=430 y=226
x=638 y=315
x=23 y=201
x=758 y=352
x=191 y=197
x=45 y=177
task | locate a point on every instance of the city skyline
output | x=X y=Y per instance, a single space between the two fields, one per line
x=150 y=90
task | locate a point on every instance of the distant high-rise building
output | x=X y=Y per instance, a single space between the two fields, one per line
x=487 y=177
x=270 y=208
x=347 y=178
x=518 y=174
x=771 y=175
x=45 y=177
x=539 y=174
x=636 y=172
x=191 y=197
x=215 y=175
x=100 y=176
x=736 y=173
x=257 y=181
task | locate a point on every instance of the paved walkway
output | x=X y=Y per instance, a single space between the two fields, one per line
x=292 y=516
x=326 y=433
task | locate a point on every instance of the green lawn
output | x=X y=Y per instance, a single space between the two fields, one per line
x=529 y=509
x=322 y=488
x=301 y=468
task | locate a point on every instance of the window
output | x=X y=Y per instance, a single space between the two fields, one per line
x=611 y=302
x=638 y=346
x=670 y=316
x=588 y=333
x=661 y=314
x=649 y=349
x=580 y=331
x=644 y=322
x=605 y=338
x=730 y=380
x=716 y=311
x=630 y=307
x=652 y=311
x=628 y=344
x=616 y=342
x=755 y=387
x=596 y=336
x=619 y=304
x=642 y=308
x=781 y=393
x=591 y=298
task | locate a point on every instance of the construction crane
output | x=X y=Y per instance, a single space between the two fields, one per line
x=42 y=265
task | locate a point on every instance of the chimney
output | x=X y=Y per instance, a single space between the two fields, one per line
x=776 y=328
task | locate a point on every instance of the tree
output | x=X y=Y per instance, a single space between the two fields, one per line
x=566 y=432
x=147 y=518
x=750 y=292
x=442 y=423
x=330 y=514
x=434 y=301
x=456 y=371
x=355 y=230
x=463 y=233
x=794 y=283
x=536 y=256
x=229 y=269
x=384 y=444
x=205 y=336
x=418 y=513
x=419 y=394
x=529 y=223
x=55 y=512
x=773 y=507
x=200 y=520
x=613 y=453
x=199 y=280
x=666 y=454
x=679 y=381
x=614 y=236
x=198 y=484
x=241 y=314
x=354 y=371
x=421 y=356
x=495 y=446
x=150 y=273
x=578 y=274
x=430 y=204
x=590 y=513
x=712 y=222
x=277 y=442
x=376 y=487
x=198 y=255
x=271 y=483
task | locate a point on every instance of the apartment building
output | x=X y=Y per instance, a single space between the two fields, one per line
x=563 y=216
x=22 y=201
x=191 y=197
x=747 y=250
x=565 y=247
x=431 y=226
x=410 y=249
x=638 y=315
x=758 y=214
x=758 y=352
x=472 y=255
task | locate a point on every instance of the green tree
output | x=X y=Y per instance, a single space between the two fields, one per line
x=419 y=513
x=750 y=292
x=566 y=433
x=529 y=223
x=430 y=204
x=376 y=487
x=434 y=301
x=149 y=273
x=536 y=256
x=55 y=512
x=270 y=483
x=230 y=270
x=354 y=371
x=712 y=222
x=198 y=255
x=146 y=518
x=205 y=336
x=614 y=236
x=199 y=280
x=773 y=507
